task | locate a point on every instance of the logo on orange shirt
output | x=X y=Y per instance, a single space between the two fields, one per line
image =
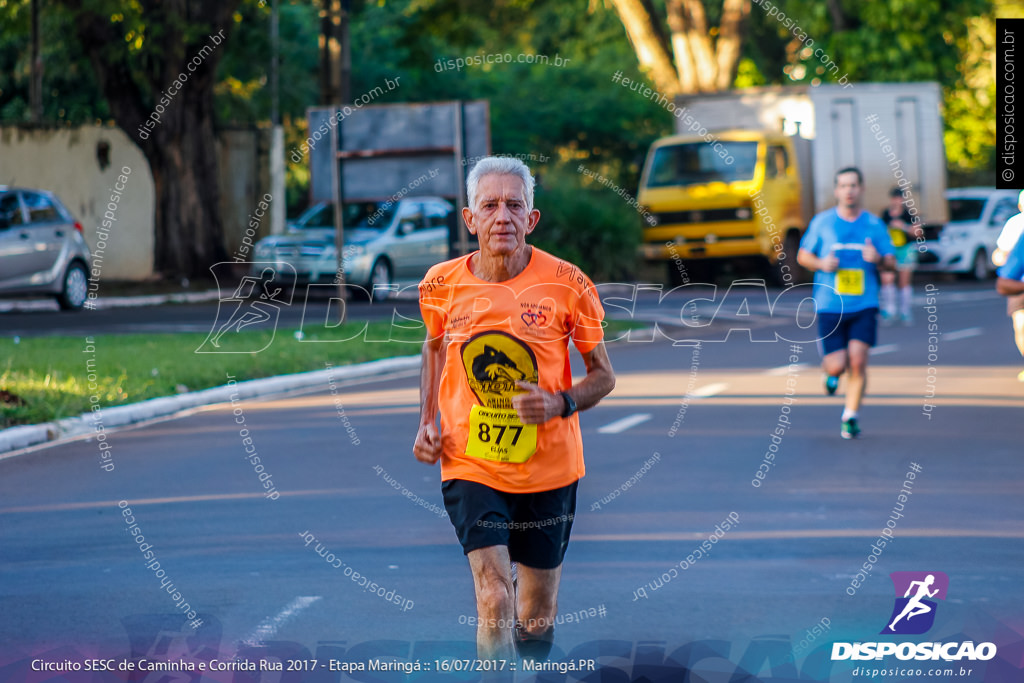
x=494 y=361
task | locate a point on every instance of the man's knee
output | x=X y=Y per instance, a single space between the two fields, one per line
x=535 y=619
x=858 y=365
x=834 y=363
x=494 y=592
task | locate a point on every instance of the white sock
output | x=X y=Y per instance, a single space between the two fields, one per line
x=849 y=415
x=906 y=299
x=889 y=299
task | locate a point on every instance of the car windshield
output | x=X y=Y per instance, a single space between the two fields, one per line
x=365 y=215
x=694 y=163
x=372 y=215
x=962 y=210
x=316 y=216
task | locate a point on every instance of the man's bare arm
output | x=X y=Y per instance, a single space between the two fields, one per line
x=598 y=383
x=1008 y=287
x=428 y=439
x=537 y=406
x=808 y=260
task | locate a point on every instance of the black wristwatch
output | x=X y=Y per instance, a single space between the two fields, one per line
x=570 y=405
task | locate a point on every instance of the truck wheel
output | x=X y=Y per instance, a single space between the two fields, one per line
x=676 y=274
x=786 y=272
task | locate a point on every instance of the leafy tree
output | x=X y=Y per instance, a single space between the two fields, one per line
x=948 y=41
x=71 y=93
x=112 y=60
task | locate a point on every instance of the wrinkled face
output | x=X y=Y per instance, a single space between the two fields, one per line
x=501 y=219
x=848 y=190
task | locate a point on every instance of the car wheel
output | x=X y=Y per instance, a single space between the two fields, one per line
x=380 y=280
x=979 y=267
x=73 y=292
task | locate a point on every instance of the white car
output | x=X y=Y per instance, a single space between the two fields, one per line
x=976 y=217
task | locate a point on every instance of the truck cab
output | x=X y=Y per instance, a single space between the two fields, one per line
x=734 y=194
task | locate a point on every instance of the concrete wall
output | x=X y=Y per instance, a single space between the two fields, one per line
x=66 y=161
x=244 y=159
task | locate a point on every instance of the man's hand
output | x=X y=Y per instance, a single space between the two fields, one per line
x=427 y=448
x=829 y=264
x=870 y=254
x=537 y=406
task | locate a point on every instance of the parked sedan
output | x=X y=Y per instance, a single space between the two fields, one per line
x=976 y=217
x=42 y=250
x=385 y=242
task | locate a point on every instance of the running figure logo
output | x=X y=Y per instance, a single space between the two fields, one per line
x=914 y=613
x=255 y=302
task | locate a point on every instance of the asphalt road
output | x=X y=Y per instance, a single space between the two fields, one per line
x=73 y=583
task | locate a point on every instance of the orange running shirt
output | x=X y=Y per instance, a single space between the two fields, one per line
x=496 y=333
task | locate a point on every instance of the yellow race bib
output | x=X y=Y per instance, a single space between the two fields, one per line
x=497 y=434
x=898 y=237
x=850 y=281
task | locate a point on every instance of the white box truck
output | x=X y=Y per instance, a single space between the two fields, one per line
x=748 y=169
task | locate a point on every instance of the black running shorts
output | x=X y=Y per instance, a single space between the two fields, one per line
x=534 y=526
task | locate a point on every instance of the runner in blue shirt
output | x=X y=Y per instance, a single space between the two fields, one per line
x=1011 y=284
x=845 y=247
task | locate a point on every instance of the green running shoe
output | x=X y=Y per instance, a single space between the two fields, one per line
x=851 y=430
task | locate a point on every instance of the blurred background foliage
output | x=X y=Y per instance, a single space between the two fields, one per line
x=571 y=114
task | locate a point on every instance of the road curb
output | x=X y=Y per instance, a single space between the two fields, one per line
x=109 y=302
x=25 y=436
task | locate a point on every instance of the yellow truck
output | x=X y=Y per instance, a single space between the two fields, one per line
x=747 y=170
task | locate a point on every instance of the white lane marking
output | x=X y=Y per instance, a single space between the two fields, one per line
x=268 y=627
x=784 y=369
x=709 y=390
x=625 y=423
x=884 y=348
x=962 y=334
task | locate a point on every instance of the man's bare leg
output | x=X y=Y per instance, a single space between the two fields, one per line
x=495 y=603
x=1018 y=330
x=834 y=363
x=857 y=374
x=537 y=607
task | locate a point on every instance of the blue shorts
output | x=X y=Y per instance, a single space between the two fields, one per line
x=906 y=255
x=835 y=330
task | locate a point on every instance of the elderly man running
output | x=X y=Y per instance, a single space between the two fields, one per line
x=496 y=367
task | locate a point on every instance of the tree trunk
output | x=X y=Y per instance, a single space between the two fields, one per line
x=182 y=147
x=183 y=158
x=648 y=43
x=730 y=41
x=701 y=65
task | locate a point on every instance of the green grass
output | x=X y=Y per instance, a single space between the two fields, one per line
x=58 y=377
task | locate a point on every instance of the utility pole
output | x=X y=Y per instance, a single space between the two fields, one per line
x=335 y=91
x=36 y=94
x=277 y=167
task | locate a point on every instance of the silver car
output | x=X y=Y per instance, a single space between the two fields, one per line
x=42 y=250
x=386 y=243
x=976 y=217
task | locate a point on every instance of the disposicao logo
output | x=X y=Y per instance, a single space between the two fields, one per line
x=913 y=613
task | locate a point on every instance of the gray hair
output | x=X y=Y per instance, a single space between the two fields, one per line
x=499 y=166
